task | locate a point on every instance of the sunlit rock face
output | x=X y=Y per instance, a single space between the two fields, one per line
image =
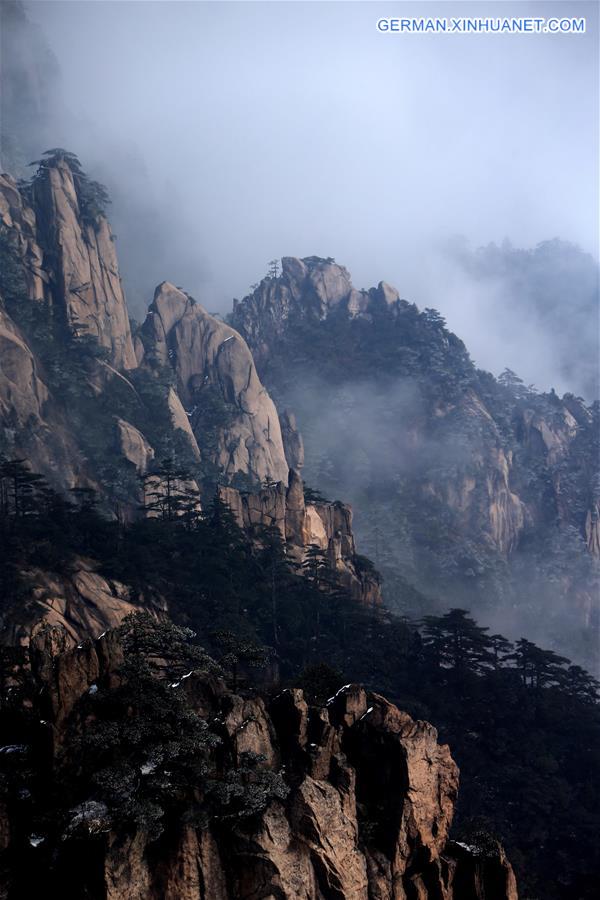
x=367 y=810
x=86 y=269
x=203 y=351
x=70 y=261
x=303 y=524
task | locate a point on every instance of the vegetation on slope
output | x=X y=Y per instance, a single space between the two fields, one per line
x=523 y=723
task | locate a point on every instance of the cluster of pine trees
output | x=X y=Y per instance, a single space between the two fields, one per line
x=523 y=722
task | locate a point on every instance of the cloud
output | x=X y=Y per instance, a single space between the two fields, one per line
x=231 y=133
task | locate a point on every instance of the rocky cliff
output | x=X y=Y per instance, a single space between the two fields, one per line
x=88 y=410
x=69 y=256
x=463 y=486
x=61 y=275
x=310 y=288
x=303 y=524
x=62 y=256
x=363 y=808
x=205 y=353
x=76 y=606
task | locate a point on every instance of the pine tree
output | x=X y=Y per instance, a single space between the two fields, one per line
x=457 y=642
x=277 y=570
x=238 y=650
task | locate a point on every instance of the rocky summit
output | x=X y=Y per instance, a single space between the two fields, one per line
x=409 y=431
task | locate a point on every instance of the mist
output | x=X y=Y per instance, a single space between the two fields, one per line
x=233 y=133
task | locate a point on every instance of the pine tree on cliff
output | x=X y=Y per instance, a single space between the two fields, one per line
x=501 y=648
x=144 y=750
x=538 y=668
x=457 y=643
x=19 y=487
x=167 y=492
x=276 y=569
x=511 y=382
x=239 y=651
x=321 y=581
x=92 y=196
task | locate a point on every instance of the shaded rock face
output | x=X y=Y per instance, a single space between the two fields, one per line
x=302 y=524
x=203 y=351
x=292 y=440
x=80 y=605
x=134 y=446
x=310 y=287
x=31 y=423
x=22 y=392
x=314 y=288
x=22 y=222
x=462 y=486
x=368 y=812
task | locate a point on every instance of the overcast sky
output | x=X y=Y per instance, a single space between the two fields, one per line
x=295 y=128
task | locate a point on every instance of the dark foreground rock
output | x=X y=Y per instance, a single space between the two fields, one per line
x=365 y=815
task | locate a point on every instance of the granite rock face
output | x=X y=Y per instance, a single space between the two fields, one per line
x=69 y=268
x=22 y=391
x=69 y=264
x=70 y=261
x=369 y=805
x=305 y=524
x=21 y=221
x=80 y=605
x=84 y=274
x=205 y=352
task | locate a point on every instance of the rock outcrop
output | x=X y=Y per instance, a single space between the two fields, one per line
x=85 y=279
x=22 y=392
x=21 y=221
x=180 y=420
x=70 y=260
x=81 y=605
x=67 y=267
x=305 y=524
x=306 y=288
x=366 y=814
x=32 y=425
x=292 y=440
x=206 y=353
x=451 y=472
x=134 y=446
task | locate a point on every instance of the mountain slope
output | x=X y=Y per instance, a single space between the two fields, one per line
x=469 y=489
x=90 y=412
x=172 y=489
